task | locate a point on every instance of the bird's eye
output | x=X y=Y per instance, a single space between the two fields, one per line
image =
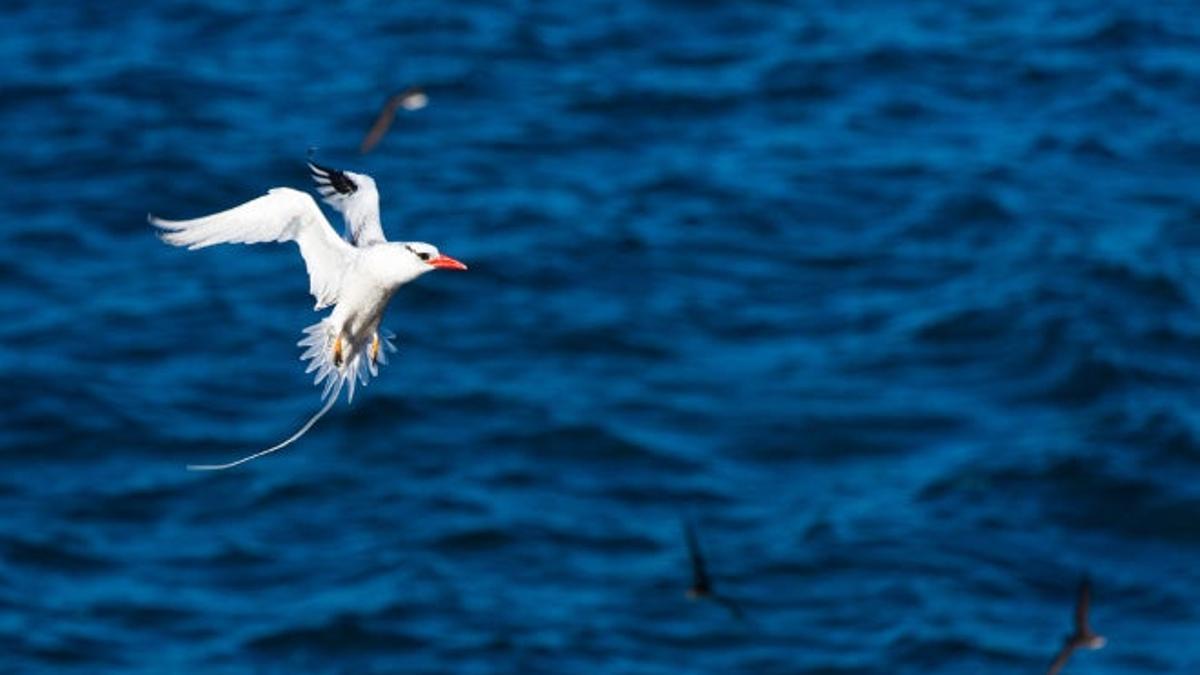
x=421 y=254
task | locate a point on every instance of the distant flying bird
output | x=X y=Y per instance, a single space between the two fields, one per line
x=413 y=98
x=1084 y=637
x=356 y=275
x=702 y=587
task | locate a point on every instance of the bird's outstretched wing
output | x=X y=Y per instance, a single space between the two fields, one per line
x=355 y=196
x=1060 y=660
x=1081 y=607
x=699 y=574
x=282 y=214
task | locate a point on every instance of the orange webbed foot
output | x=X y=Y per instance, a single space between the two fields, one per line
x=337 y=352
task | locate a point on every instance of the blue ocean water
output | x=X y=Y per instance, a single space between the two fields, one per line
x=897 y=301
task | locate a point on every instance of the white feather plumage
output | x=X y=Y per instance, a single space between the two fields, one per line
x=283 y=214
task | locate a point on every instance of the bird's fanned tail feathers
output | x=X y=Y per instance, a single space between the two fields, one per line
x=357 y=366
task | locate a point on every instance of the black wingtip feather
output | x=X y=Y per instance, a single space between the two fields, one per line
x=338 y=180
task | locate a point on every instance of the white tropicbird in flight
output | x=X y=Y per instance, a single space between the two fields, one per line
x=356 y=275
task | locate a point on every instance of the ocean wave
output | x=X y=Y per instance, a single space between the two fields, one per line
x=471 y=540
x=299 y=490
x=343 y=634
x=972 y=209
x=1124 y=30
x=980 y=327
x=1078 y=491
x=1163 y=433
x=796 y=80
x=54 y=555
x=135 y=505
x=656 y=104
x=583 y=444
x=962 y=653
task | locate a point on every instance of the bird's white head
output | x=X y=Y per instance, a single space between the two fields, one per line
x=398 y=263
x=428 y=258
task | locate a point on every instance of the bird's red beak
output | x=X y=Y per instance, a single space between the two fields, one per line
x=446 y=262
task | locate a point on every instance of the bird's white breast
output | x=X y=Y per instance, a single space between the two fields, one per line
x=369 y=285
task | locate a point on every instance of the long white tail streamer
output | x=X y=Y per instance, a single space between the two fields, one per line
x=291 y=439
x=318 y=344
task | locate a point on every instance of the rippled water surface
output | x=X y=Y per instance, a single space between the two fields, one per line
x=897 y=300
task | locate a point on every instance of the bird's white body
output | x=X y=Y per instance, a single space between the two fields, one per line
x=370 y=279
x=356 y=275
x=366 y=289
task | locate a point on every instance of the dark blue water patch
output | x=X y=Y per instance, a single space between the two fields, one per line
x=936 y=652
x=1082 y=492
x=903 y=109
x=797 y=82
x=609 y=340
x=1165 y=434
x=969 y=327
x=232 y=557
x=685 y=58
x=77 y=651
x=140 y=85
x=649 y=490
x=1142 y=283
x=1125 y=30
x=54 y=556
x=828 y=439
x=429 y=23
x=343 y=638
x=1084 y=380
x=24 y=95
x=506 y=414
x=972 y=210
x=135 y=616
x=1088 y=148
x=144 y=505
x=296 y=491
x=585 y=444
x=466 y=542
x=651 y=105
x=1176 y=150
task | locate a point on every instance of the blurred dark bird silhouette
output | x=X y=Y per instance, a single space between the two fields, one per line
x=410 y=99
x=1083 y=637
x=702 y=587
